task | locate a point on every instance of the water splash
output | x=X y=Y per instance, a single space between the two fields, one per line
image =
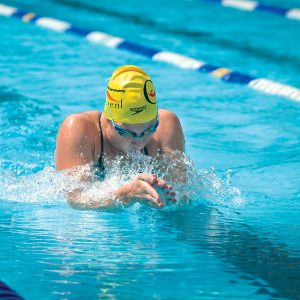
x=191 y=185
x=44 y=186
x=218 y=190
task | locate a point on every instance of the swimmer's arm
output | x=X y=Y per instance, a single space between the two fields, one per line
x=171 y=133
x=172 y=144
x=140 y=189
x=74 y=147
x=78 y=200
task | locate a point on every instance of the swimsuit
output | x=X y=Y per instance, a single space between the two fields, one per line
x=100 y=166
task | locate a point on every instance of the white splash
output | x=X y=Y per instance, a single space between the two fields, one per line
x=191 y=185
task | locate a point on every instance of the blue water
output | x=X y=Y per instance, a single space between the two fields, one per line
x=239 y=237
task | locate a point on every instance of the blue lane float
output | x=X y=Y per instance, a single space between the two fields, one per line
x=178 y=60
x=247 y=5
x=6 y=293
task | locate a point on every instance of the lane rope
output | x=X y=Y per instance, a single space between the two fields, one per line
x=181 y=61
x=248 y=5
x=6 y=293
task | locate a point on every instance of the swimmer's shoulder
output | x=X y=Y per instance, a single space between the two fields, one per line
x=168 y=119
x=81 y=122
x=81 y=128
x=78 y=139
x=75 y=144
x=169 y=132
x=165 y=114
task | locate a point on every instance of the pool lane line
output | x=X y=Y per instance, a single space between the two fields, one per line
x=6 y=293
x=248 y=5
x=192 y=34
x=181 y=61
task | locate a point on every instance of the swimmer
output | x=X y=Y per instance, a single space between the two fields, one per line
x=131 y=121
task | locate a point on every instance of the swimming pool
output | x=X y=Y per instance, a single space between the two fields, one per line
x=241 y=239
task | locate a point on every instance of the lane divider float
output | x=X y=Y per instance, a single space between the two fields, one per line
x=6 y=293
x=181 y=61
x=248 y=5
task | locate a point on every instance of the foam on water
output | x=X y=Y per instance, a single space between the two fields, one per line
x=50 y=186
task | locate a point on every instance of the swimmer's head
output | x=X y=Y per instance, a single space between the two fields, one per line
x=130 y=96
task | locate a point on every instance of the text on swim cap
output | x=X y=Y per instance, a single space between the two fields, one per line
x=115 y=105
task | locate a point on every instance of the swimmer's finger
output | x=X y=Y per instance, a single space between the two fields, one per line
x=162 y=191
x=171 y=193
x=161 y=183
x=171 y=199
x=152 y=201
x=153 y=194
x=151 y=179
x=174 y=200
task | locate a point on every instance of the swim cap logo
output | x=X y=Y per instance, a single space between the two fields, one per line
x=152 y=94
x=137 y=110
x=149 y=92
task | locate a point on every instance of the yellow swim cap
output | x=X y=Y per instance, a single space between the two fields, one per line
x=130 y=96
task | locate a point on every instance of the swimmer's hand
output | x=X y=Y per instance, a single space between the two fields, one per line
x=164 y=190
x=146 y=188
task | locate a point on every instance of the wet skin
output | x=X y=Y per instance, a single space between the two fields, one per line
x=79 y=143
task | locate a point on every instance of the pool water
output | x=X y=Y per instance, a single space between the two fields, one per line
x=239 y=237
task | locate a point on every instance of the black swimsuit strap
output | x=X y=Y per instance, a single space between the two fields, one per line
x=146 y=151
x=100 y=161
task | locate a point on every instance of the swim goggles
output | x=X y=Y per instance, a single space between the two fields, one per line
x=127 y=133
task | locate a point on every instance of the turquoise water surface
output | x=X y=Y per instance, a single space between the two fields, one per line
x=239 y=237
